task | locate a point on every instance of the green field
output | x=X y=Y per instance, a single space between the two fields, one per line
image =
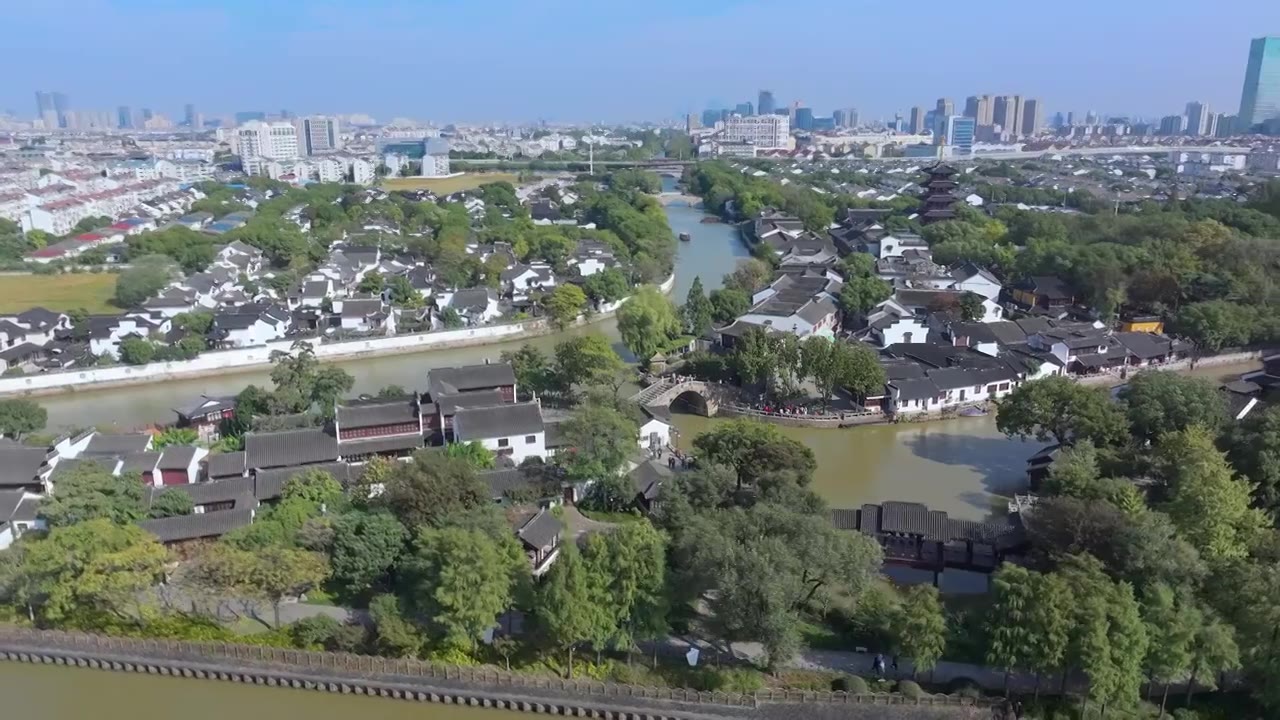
x=91 y=291
x=446 y=186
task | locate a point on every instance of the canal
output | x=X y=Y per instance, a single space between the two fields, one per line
x=63 y=693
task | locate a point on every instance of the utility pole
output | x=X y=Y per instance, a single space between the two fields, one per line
x=591 y=155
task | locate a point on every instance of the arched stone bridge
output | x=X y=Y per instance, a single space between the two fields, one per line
x=705 y=397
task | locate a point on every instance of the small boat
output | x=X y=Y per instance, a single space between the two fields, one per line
x=685 y=237
x=973 y=411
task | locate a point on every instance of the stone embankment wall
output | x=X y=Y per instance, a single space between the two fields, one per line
x=239 y=360
x=407 y=679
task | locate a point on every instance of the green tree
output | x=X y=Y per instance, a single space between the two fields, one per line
x=1173 y=623
x=89 y=491
x=174 y=436
x=365 y=547
x=275 y=573
x=727 y=304
x=609 y=285
x=836 y=364
x=970 y=306
x=171 y=502
x=1011 y=631
x=647 y=322
x=1060 y=409
x=372 y=283
x=586 y=360
x=431 y=488
x=858 y=265
x=144 y=278
x=303 y=384
x=698 y=310
x=94 y=568
x=450 y=319
x=1210 y=506
x=755 y=450
x=316 y=487
x=472 y=453
x=1050 y=625
x=20 y=417
x=1161 y=402
x=464 y=579
x=137 y=351
x=533 y=372
x=570 y=607
x=922 y=634
x=1213 y=650
x=750 y=275
x=1254 y=450
x=600 y=440
x=564 y=304
x=393 y=634
x=860 y=294
x=1214 y=324
x=633 y=559
x=1089 y=648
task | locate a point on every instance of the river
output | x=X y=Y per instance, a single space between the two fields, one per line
x=63 y=693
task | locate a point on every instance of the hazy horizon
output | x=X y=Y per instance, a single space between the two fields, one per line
x=571 y=60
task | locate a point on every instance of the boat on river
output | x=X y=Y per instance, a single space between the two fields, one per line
x=685 y=237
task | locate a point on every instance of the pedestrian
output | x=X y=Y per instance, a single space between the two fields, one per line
x=894 y=664
x=877 y=665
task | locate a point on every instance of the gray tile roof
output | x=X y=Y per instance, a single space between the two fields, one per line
x=289 y=448
x=374 y=413
x=502 y=481
x=139 y=462
x=19 y=465
x=914 y=388
x=222 y=465
x=370 y=446
x=469 y=377
x=647 y=478
x=497 y=421
x=9 y=502
x=177 y=457
x=104 y=444
x=450 y=404
x=540 y=531
x=198 y=525
x=238 y=490
x=269 y=484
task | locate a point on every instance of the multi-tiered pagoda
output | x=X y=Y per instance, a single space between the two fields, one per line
x=939 y=194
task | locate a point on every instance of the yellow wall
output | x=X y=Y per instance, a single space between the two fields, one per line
x=1025 y=297
x=1143 y=326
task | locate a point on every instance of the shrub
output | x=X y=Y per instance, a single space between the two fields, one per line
x=910 y=690
x=851 y=684
x=741 y=680
x=314 y=632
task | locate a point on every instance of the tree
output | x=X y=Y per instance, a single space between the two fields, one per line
x=19 y=417
x=393 y=634
x=698 y=310
x=570 y=608
x=174 y=436
x=728 y=304
x=647 y=322
x=922 y=634
x=860 y=294
x=276 y=572
x=450 y=319
x=857 y=265
x=1213 y=650
x=533 y=372
x=600 y=439
x=144 y=278
x=171 y=502
x=1049 y=625
x=1214 y=324
x=633 y=559
x=835 y=364
x=970 y=306
x=472 y=453
x=93 y=568
x=372 y=283
x=137 y=351
x=1162 y=402
x=463 y=580
x=586 y=360
x=1088 y=647
x=1210 y=506
x=364 y=549
x=89 y=491
x=302 y=383
x=754 y=450
x=564 y=304
x=317 y=487
x=750 y=275
x=608 y=285
x=1254 y=450
x=431 y=488
x=1060 y=409
x=1173 y=624
x=1010 y=630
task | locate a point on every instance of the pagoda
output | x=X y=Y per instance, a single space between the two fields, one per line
x=939 y=194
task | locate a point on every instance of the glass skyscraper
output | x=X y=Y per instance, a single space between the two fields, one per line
x=1260 y=100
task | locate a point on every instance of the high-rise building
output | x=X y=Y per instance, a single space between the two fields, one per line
x=275 y=140
x=189 y=115
x=957 y=133
x=1224 y=125
x=1199 y=119
x=245 y=116
x=1006 y=111
x=147 y=114
x=916 y=125
x=1032 y=116
x=691 y=122
x=1059 y=121
x=979 y=107
x=1173 y=124
x=710 y=117
x=124 y=117
x=765 y=103
x=1260 y=99
x=62 y=107
x=765 y=132
x=1091 y=118
x=318 y=134
x=1071 y=119
x=804 y=118
x=745 y=108
x=845 y=117
x=44 y=104
x=944 y=108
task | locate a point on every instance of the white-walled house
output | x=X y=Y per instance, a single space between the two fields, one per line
x=949 y=387
x=520 y=279
x=971 y=278
x=818 y=316
x=19 y=512
x=514 y=431
x=249 y=326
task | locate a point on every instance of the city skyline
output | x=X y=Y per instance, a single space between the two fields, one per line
x=643 y=74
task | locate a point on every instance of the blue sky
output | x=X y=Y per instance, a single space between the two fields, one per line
x=608 y=60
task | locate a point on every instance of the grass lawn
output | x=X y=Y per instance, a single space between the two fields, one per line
x=445 y=186
x=91 y=291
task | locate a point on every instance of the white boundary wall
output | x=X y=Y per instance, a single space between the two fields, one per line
x=218 y=361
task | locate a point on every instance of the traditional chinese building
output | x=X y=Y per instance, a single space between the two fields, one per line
x=939 y=194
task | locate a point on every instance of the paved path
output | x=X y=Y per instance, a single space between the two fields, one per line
x=579 y=524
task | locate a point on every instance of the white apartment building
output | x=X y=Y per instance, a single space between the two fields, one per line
x=318 y=134
x=765 y=132
x=275 y=140
x=364 y=172
x=1208 y=163
x=435 y=158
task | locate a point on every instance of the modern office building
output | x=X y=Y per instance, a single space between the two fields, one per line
x=845 y=117
x=1199 y=119
x=147 y=114
x=1173 y=124
x=957 y=134
x=944 y=108
x=124 y=117
x=274 y=140
x=765 y=132
x=189 y=115
x=916 y=122
x=1224 y=125
x=1032 y=116
x=744 y=108
x=318 y=134
x=804 y=118
x=765 y=104
x=1007 y=113
x=979 y=107
x=62 y=107
x=1260 y=100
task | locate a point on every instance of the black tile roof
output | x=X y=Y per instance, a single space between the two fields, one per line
x=198 y=525
x=104 y=444
x=269 y=484
x=497 y=421
x=177 y=457
x=20 y=465
x=647 y=478
x=540 y=531
x=502 y=481
x=139 y=462
x=914 y=388
x=469 y=377
x=371 y=446
x=449 y=404
x=374 y=413
x=224 y=465
x=289 y=448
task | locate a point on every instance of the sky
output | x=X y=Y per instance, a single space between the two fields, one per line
x=614 y=60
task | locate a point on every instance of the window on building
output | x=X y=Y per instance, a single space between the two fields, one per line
x=503 y=442
x=530 y=439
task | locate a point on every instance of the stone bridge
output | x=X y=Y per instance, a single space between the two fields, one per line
x=705 y=397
